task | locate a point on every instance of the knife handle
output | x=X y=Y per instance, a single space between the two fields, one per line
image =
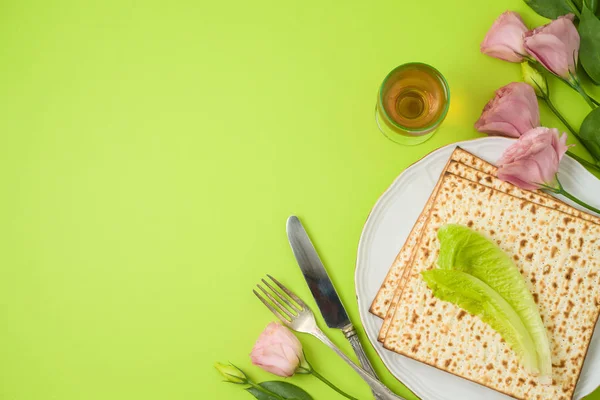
x=352 y=337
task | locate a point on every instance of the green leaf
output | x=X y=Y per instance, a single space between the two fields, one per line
x=283 y=389
x=550 y=8
x=462 y=249
x=590 y=132
x=476 y=297
x=589 y=50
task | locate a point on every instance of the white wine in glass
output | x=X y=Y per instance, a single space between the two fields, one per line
x=412 y=102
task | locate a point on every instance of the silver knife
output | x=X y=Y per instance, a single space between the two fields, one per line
x=322 y=288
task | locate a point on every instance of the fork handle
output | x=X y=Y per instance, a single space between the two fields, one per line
x=350 y=333
x=379 y=389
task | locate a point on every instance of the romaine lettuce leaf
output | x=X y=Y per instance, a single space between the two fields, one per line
x=463 y=249
x=477 y=298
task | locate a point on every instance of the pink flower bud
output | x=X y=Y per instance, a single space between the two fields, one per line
x=504 y=40
x=533 y=160
x=512 y=112
x=277 y=351
x=555 y=46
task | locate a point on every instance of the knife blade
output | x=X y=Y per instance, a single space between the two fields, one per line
x=316 y=277
x=322 y=288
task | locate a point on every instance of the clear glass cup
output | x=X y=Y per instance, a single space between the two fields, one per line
x=412 y=102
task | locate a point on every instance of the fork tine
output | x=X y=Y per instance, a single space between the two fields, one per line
x=289 y=293
x=276 y=303
x=270 y=307
x=282 y=297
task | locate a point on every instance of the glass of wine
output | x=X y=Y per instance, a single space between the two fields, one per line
x=412 y=102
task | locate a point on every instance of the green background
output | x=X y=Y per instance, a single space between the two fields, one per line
x=151 y=152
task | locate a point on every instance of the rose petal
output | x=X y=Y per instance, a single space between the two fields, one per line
x=555 y=45
x=497 y=129
x=504 y=40
x=513 y=173
x=533 y=160
x=550 y=52
x=277 y=351
x=512 y=112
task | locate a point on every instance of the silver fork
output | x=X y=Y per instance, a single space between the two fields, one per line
x=300 y=318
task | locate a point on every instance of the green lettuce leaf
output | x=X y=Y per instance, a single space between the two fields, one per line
x=463 y=249
x=477 y=298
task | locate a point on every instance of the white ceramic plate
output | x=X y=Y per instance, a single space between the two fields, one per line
x=387 y=228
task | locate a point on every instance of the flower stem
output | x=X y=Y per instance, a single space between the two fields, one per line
x=265 y=391
x=560 y=116
x=580 y=202
x=577 y=86
x=561 y=190
x=574 y=8
x=331 y=385
x=574 y=83
x=585 y=163
x=551 y=106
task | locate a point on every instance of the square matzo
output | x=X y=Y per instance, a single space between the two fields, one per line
x=557 y=255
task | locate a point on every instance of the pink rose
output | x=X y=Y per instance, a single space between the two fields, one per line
x=533 y=160
x=504 y=40
x=555 y=46
x=512 y=112
x=277 y=351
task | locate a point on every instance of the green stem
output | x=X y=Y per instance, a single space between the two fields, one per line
x=331 y=385
x=585 y=163
x=265 y=391
x=551 y=106
x=559 y=115
x=561 y=190
x=574 y=8
x=574 y=84
x=577 y=86
x=576 y=200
